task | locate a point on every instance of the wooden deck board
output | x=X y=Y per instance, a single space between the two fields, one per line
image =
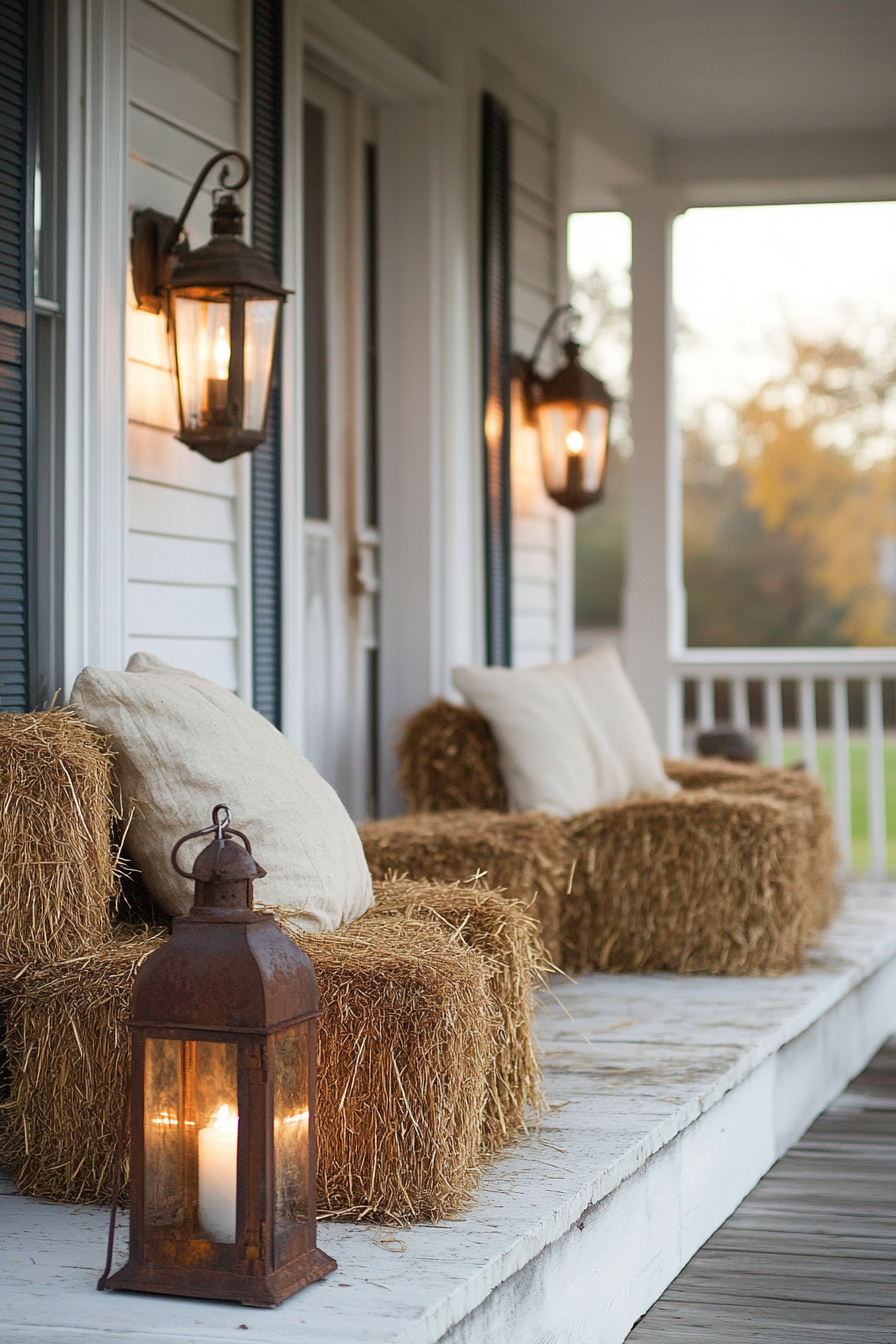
x=810 y=1253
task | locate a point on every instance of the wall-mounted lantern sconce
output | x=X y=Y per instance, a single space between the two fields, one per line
x=571 y=411
x=223 y=304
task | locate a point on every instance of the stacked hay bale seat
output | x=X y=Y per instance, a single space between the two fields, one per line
x=735 y=874
x=426 y=1057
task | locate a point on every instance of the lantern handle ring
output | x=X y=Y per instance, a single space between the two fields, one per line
x=220 y=827
x=178 y=225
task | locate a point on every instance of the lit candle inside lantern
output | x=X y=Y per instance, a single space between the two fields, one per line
x=217 y=1175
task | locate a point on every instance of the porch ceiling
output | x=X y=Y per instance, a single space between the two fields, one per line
x=709 y=68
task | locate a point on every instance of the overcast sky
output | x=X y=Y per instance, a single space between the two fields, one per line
x=743 y=276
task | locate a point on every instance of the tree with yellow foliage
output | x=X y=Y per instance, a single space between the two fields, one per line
x=817 y=449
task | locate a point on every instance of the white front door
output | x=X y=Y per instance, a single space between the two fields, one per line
x=340 y=433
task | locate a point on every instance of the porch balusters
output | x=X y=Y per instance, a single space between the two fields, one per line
x=722 y=686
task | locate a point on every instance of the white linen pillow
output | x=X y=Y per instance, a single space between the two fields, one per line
x=571 y=736
x=554 y=755
x=184 y=744
x=611 y=696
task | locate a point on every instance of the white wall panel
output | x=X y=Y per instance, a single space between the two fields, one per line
x=176 y=560
x=198 y=613
x=212 y=658
x=170 y=511
x=187 y=533
x=211 y=62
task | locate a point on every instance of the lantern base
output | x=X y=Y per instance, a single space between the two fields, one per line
x=262 y=1290
x=221 y=444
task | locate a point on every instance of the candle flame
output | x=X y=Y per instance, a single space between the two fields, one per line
x=221 y=352
x=225 y=1119
x=575 y=441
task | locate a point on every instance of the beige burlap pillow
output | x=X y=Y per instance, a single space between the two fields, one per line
x=183 y=744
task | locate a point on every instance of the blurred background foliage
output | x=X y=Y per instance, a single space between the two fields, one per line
x=789 y=500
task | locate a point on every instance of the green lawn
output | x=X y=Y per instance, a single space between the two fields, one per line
x=858 y=771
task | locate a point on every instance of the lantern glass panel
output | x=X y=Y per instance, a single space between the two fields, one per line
x=291 y=1119
x=191 y=1128
x=164 y=1135
x=258 y=358
x=202 y=335
x=573 y=444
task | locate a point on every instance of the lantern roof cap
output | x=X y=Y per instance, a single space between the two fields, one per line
x=573 y=382
x=224 y=860
x=224 y=263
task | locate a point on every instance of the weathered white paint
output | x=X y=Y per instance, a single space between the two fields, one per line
x=671 y=1097
x=188 y=578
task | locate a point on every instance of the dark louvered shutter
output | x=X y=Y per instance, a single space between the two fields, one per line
x=17 y=87
x=495 y=259
x=267 y=171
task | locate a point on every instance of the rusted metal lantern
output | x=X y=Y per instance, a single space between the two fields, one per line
x=223 y=303
x=224 y=1050
x=571 y=411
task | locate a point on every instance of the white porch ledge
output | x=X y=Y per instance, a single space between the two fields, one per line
x=672 y=1097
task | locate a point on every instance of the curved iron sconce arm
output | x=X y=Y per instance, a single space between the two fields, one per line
x=156 y=237
x=524 y=369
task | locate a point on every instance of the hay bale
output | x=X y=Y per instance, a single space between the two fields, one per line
x=508 y=939
x=823 y=890
x=408 y=1040
x=57 y=868
x=68 y=1052
x=526 y=854
x=448 y=760
x=700 y=883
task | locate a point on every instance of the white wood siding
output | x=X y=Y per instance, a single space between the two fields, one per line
x=187 y=561
x=537 y=548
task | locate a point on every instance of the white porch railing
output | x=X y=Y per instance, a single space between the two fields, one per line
x=834 y=710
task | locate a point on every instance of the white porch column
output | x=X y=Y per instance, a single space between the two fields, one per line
x=96 y=276
x=654 y=594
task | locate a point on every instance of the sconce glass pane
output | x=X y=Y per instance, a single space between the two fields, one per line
x=573 y=445
x=217 y=1125
x=258 y=358
x=202 y=336
x=291 y=1120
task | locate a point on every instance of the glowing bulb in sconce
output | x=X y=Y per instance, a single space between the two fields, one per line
x=575 y=441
